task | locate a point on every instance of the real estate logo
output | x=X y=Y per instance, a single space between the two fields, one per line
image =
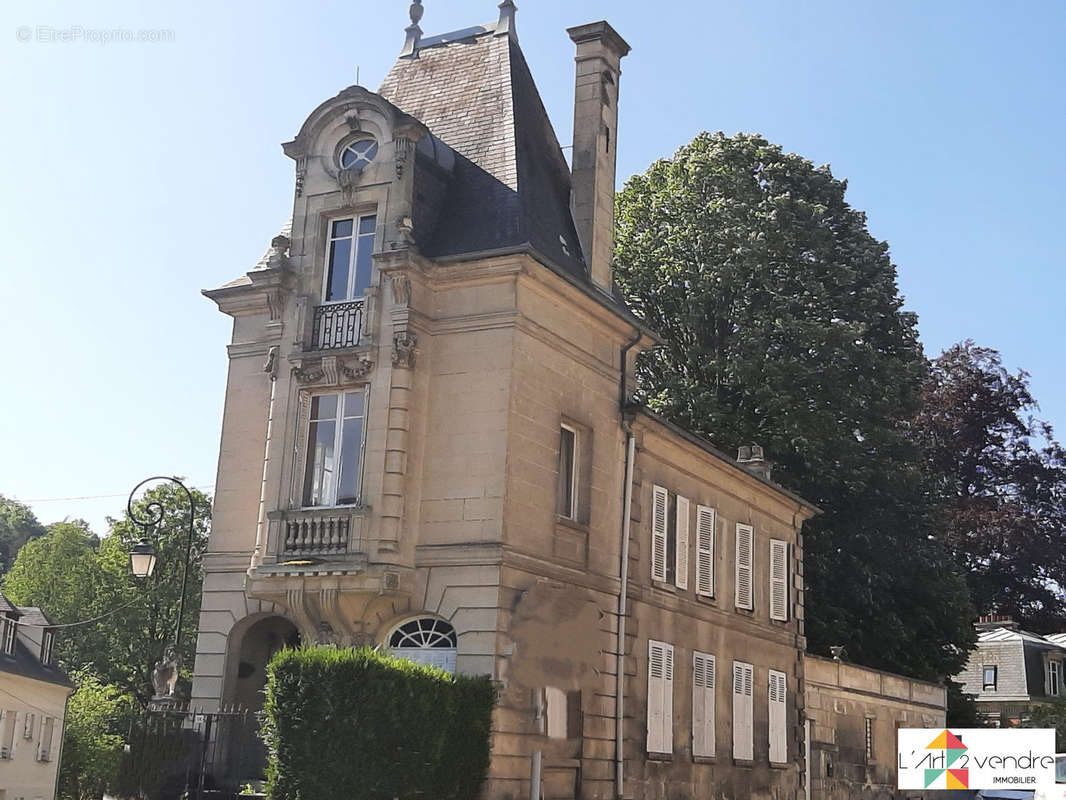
x=976 y=758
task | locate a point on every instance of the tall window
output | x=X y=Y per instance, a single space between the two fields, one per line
x=660 y=697
x=703 y=714
x=7 y=734
x=869 y=740
x=47 y=643
x=7 y=635
x=777 y=713
x=351 y=244
x=743 y=555
x=988 y=683
x=333 y=473
x=1054 y=678
x=44 y=752
x=567 y=472
x=779 y=580
x=705 y=536
x=743 y=711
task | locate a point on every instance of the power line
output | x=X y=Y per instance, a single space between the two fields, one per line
x=95 y=497
x=82 y=622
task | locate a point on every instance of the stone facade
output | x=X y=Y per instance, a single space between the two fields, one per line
x=853 y=715
x=583 y=552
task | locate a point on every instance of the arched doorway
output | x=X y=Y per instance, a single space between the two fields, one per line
x=425 y=640
x=256 y=647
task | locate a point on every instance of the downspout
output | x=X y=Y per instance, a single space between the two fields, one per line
x=623 y=575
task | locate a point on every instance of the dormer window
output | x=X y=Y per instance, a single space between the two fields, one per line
x=7 y=635
x=351 y=244
x=47 y=644
x=358 y=154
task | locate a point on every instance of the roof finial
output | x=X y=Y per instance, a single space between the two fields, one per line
x=506 y=25
x=414 y=33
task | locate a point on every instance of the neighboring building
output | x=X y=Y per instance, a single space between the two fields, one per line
x=428 y=445
x=33 y=701
x=1011 y=670
x=853 y=715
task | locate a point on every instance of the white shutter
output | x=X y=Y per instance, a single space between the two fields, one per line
x=703 y=716
x=659 y=502
x=28 y=725
x=743 y=556
x=778 y=717
x=681 y=564
x=705 y=537
x=660 y=697
x=779 y=580
x=743 y=711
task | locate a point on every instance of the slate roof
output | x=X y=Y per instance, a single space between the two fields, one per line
x=28 y=665
x=511 y=184
x=31 y=615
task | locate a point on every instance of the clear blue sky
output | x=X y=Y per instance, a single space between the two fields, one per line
x=135 y=174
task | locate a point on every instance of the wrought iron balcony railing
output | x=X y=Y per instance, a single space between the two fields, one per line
x=337 y=325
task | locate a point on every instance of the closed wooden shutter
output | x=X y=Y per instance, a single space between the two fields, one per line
x=778 y=580
x=745 y=547
x=681 y=528
x=778 y=717
x=660 y=697
x=705 y=523
x=703 y=716
x=659 y=502
x=743 y=711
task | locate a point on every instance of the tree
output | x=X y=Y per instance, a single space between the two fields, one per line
x=71 y=580
x=92 y=744
x=783 y=326
x=18 y=525
x=1051 y=714
x=1001 y=480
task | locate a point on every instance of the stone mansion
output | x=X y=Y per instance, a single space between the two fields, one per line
x=429 y=446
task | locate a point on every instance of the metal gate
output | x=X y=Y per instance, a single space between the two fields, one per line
x=189 y=755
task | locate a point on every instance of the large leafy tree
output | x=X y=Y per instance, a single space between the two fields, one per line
x=784 y=327
x=1001 y=479
x=18 y=525
x=74 y=577
x=92 y=742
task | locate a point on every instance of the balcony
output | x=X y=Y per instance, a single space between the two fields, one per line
x=337 y=325
x=319 y=532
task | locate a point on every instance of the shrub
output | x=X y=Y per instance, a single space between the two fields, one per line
x=357 y=725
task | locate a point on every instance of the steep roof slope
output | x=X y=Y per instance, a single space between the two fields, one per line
x=511 y=184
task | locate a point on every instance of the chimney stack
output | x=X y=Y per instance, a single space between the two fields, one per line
x=752 y=458
x=600 y=51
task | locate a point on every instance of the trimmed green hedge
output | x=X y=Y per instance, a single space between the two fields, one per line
x=357 y=725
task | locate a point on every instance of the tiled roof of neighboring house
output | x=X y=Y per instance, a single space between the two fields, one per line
x=511 y=184
x=31 y=615
x=28 y=665
x=6 y=605
x=1057 y=638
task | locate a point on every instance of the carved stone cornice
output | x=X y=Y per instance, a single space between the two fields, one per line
x=330 y=370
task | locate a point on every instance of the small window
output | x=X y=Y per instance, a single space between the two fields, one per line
x=348 y=258
x=1054 y=678
x=359 y=154
x=988 y=684
x=869 y=741
x=47 y=643
x=7 y=635
x=335 y=441
x=568 y=469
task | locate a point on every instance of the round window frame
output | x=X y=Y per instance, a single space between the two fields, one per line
x=342 y=148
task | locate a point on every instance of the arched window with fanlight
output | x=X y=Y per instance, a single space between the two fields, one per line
x=425 y=640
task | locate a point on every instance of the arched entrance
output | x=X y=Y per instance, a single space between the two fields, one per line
x=252 y=653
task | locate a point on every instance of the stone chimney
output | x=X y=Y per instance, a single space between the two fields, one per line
x=599 y=57
x=989 y=622
x=752 y=459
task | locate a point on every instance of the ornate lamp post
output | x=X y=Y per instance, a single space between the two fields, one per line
x=142 y=564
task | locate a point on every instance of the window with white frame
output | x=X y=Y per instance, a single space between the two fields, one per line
x=705 y=541
x=335 y=439
x=47 y=645
x=660 y=697
x=989 y=678
x=7 y=733
x=44 y=751
x=8 y=630
x=778 y=716
x=1053 y=678
x=703 y=714
x=426 y=640
x=568 y=472
x=778 y=580
x=743 y=555
x=670 y=521
x=348 y=258
x=743 y=711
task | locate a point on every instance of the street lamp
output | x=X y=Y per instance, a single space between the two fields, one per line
x=142 y=559
x=142 y=564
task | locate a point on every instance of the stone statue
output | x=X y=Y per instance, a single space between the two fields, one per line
x=165 y=674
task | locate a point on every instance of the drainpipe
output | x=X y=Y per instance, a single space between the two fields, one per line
x=623 y=574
